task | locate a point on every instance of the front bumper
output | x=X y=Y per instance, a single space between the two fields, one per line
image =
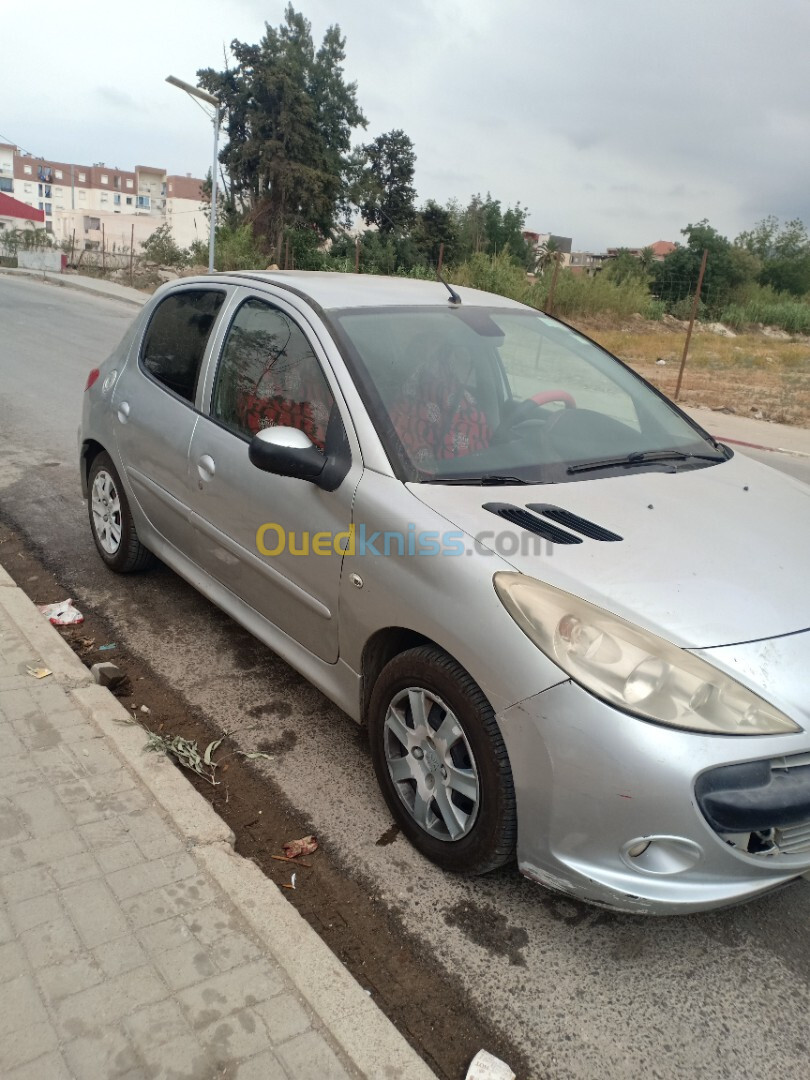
x=594 y=786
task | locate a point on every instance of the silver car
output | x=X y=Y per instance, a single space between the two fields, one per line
x=575 y=625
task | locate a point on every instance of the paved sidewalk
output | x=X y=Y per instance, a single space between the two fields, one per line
x=134 y=943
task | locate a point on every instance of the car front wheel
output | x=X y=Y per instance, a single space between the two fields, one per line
x=111 y=521
x=441 y=762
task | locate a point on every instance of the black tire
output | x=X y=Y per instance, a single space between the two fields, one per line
x=477 y=752
x=128 y=554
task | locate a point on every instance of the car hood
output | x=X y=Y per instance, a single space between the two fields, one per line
x=707 y=557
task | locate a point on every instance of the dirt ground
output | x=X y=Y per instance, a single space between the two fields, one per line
x=749 y=374
x=406 y=984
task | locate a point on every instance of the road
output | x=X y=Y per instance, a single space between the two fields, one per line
x=581 y=992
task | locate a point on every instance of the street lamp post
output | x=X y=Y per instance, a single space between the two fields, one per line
x=210 y=100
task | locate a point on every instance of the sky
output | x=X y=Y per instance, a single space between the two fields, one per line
x=615 y=122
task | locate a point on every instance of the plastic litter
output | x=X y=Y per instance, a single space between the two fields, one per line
x=39 y=672
x=485 y=1066
x=305 y=846
x=106 y=648
x=62 y=614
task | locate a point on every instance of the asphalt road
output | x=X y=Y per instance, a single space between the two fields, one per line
x=583 y=993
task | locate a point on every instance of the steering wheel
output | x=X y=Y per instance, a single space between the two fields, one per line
x=554 y=395
x=528 y=409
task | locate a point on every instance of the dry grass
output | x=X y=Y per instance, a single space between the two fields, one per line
x=748 y=374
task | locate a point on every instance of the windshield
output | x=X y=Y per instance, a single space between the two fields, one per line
x=499 y=395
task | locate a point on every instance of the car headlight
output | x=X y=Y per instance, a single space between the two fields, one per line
x=633 y=669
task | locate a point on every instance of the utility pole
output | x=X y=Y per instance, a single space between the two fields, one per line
x=691 y=322
x=203 y=95
x=550 y=301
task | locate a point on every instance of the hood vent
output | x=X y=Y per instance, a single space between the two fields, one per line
x=574 y=522
x=522 y=518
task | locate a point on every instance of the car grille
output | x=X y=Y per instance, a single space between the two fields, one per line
x=518 y=516
x=574 y=522
x=793 y=839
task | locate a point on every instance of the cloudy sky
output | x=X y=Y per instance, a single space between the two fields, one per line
x=615 y=122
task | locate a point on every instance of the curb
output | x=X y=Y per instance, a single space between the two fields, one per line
x=69 y=281
x=363 y=1032
x=758 y=446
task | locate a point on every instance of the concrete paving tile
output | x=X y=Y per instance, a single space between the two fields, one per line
x=58 y=981
x=24 y=884
x=123 y=954
x=106 y=833
x=187 y=964
x=19 y=775
x=157 y=1024
x=46 y=849
x=233 y=949
x=12 y=747
x=264 y=1066
x=20 y=1005
x=52 y=942
x=57 y=764
x=182 y=1057
x=13 y=824
x=108 y=1054
x=159 y=904
x=13 y=961
x=224 y=994
x=118 y=856
x=27 y=914
x=75 y=868
x=109 y=1001
x=284 y=1017
x=42 y=812
x=240 y=1035
x=153 y=835
x=51 y=1066
x=27 y=1045
x=309 y=1057
x=94 y=911
x=6 y=929
x=164 y=935
x=152 y=875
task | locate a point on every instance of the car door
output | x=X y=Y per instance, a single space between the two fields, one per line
x=274 y=541
x=153 y=405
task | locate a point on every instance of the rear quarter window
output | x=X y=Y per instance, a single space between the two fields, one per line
x=175 y=340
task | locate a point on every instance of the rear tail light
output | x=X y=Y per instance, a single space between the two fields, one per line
x=91 y=378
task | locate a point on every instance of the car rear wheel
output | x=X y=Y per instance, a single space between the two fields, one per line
x=441 y=762
x=111 y=521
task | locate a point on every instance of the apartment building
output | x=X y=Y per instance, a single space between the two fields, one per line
x=93 y=204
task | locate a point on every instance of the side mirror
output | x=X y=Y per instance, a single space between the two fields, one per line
x=286 y=451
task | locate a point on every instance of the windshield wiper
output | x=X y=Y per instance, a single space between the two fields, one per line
x=642 y=457
x=487 y=478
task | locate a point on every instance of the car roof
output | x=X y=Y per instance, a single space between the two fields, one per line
x=331 y=290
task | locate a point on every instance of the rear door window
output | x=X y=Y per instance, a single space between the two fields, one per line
x=269 y=376
x=176 y=338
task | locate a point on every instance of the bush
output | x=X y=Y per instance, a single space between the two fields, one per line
x=161 y=248
x=238 y=249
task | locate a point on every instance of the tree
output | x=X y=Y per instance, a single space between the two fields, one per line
x=435 y=225
x=628 y=267
x=547 y=254
x=289 y=115
x=676 y=277
x=383 y=186
x=483 y=226
x=783 y=252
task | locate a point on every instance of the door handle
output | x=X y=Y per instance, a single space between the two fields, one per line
x=206 y=467
x=123 y=412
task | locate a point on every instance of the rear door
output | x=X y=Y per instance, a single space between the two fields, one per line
x=154 y=407
x=274 y=541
